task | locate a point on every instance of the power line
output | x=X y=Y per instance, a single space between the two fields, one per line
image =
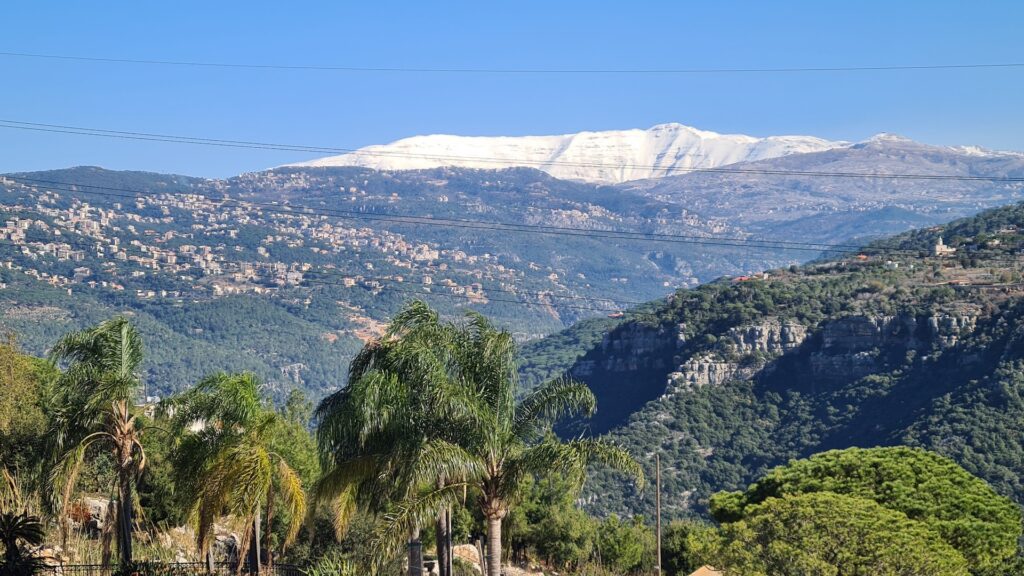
x=168 y=138
x=516 y=71
x=489 y=299
x=426 y=269
x=601 y=304
x=535 y=293
x=293 y=210
x=744 y=243
x=298 y=209
x=394 y=285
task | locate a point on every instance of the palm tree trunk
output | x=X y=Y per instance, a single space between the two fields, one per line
x=449 y=550
x=254 y=564
x=494 y=546
x=125 y=517
x=415 y=553
x=441 y=527
x=270 y=520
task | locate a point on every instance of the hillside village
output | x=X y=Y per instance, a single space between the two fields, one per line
x=67 y=242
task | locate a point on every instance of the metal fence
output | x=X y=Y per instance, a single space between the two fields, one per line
x=171 y=569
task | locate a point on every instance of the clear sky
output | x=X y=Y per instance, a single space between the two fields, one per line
x=352 y=109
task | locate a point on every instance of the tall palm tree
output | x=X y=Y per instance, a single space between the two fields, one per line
x=508 y=439
x=92 y=405
x=384 y=437
x=225 y=460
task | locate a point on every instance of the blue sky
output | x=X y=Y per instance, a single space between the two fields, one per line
x=340 y=109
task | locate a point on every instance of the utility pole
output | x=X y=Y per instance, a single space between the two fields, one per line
x=657 y=505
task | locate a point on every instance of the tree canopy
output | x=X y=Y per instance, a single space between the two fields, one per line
x=924 y=486
x=828 y=534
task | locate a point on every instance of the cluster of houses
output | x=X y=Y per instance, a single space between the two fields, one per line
x=189 y=237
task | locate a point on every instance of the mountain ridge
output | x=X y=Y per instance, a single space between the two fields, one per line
x=734 y=377
x=610 y=156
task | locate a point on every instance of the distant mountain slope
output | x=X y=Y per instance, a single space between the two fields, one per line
x=604 y=157
x=734 y=377
x=216 y=272
x=837 y=208
x=256 y=283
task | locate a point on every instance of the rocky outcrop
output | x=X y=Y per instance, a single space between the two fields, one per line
x=703 y=370
x=948 y=329
x=634 y=347
x=772 y=337
x=845 y=348
x=858 y=333
x=769 y=337
x=855 y=333
x=52 y=558
x=90 y=514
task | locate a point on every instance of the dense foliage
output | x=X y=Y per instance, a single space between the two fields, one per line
x=433 y=405
x=827 y=534
x=894 y=346
x=926 y=487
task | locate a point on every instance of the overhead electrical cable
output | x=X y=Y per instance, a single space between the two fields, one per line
x=600 y=304
x=299 y=209
x=503 y=162
x=294 y=210
x=509 y=70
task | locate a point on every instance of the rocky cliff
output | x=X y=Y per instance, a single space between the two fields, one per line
x=734 y=377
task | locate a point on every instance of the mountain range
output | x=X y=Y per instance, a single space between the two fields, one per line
x=605 y=157
x=327 y=254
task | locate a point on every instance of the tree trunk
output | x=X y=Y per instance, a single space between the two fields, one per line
x=254 y=562
x=267 y=532
x=415 y=553
x=441 y=527
x=481 y=553
x=494 y=546
x=448 y=541
x=125 y=518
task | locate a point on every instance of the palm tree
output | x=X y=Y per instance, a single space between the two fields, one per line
x=225 y=460
x=92 y=406
x=509 y=439
x=15 y=528
x=384 y=438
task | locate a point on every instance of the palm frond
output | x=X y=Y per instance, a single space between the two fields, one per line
x=343 y=510
x=550 y=402
x=63 y=474
x=343 y=477
x=391 y=532
x=294 y=498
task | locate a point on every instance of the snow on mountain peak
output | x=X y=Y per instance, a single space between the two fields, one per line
x=602 y=157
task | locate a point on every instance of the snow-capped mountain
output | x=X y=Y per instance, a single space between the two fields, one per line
x=606 y=157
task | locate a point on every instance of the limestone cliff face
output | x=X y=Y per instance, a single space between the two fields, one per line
x=634 y=347
x=626 y=370
x=768 y=337
x=637 y=362
x=842 y=348
x=704 y=370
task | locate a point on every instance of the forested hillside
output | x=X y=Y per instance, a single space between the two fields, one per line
x=890 y=346
x=286 y=272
